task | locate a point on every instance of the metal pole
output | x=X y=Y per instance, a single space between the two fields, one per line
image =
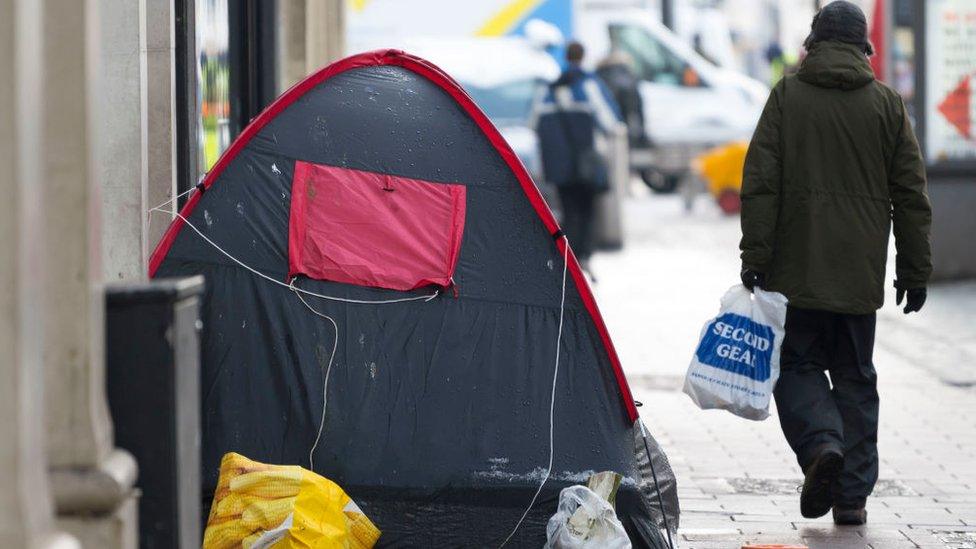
x=667 y=13
x=609 y=234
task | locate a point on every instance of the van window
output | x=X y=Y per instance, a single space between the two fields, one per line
x=653 y=62
x=508 y=102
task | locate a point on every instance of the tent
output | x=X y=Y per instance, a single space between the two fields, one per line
x=385 y=292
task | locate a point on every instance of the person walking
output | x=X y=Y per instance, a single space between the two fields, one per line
x=832 y=166
x=617 y=74
x=573 y=109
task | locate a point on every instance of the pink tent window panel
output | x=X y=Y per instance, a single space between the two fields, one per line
x=373 y=229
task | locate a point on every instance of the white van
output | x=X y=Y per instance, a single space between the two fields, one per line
x=690 y=104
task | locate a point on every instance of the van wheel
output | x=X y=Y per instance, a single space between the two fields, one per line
x=659 y=182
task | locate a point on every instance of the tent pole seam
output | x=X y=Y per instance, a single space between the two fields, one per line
x=657 y=487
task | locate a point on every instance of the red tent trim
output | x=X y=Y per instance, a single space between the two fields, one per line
x=452 y=88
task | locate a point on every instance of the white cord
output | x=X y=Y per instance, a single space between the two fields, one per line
x=552 y=397
x=159 y=207
x=298 y=291
x=325 y=385
x=291 y=285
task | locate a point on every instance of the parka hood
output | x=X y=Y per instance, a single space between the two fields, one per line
x=836 y=65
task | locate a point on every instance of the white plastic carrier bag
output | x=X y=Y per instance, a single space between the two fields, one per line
x=736 y=364
x=584 y=520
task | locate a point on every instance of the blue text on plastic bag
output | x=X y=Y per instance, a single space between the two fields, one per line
x=739 y=345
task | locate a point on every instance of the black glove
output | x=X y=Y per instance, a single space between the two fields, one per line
x=752 y=279
x=916 y=298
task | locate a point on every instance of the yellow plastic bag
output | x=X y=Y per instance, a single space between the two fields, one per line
x=721 y=168
x=261 y=506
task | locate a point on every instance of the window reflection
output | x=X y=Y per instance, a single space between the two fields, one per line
x=213 y=74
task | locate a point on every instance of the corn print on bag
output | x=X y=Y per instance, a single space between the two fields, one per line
x=259 y=506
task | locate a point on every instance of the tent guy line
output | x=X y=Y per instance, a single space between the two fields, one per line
x=159 y=207
x=328 y=370
x=298 y=291
x=552 y=396
x=426 y=298
x=290 y=285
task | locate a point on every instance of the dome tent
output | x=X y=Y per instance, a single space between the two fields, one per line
x=376 y=182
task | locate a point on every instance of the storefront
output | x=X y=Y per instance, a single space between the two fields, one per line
x=945 y=110
x=932 y=56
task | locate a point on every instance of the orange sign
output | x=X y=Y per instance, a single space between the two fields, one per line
x=955 y=107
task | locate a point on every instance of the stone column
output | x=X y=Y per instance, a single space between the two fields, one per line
x=291 y=43
x=79 y=428
x=26 y=514
x=311 y=34
x=157 y=29
x=91 y=480
x=121 y=175
x=325 y=33
x=137 y=105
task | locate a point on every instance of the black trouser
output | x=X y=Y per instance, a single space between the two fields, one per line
x=842 y=412
x=578 y=202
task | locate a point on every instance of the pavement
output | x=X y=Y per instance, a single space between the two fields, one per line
x=737 y=479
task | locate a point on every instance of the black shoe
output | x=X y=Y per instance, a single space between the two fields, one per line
x=815 y=498
x=850 y=516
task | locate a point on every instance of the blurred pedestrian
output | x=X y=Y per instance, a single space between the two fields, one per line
x=833 y=163
x=776 y=58
x=617 y=73
x=574 y=108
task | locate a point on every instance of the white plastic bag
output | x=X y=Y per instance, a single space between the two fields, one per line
x=736 y=364
x=584 y=520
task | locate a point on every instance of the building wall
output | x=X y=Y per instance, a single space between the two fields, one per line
x=312 y=34
x=136 y=130
x=158 y=124
x=120 y=134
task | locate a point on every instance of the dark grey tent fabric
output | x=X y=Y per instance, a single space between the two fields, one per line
x=438 y=411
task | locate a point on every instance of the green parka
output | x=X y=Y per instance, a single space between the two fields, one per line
x=832 y=164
